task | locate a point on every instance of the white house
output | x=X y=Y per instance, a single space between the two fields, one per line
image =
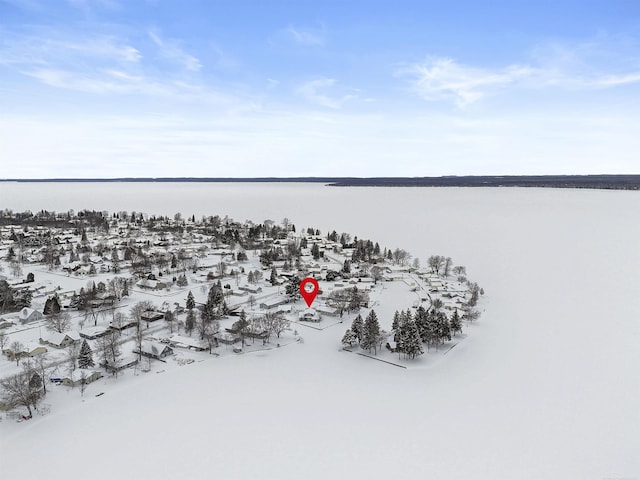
x=77 y=377
x=28 y=315
x=155 y=350
x=60 y=340
x=309 y=315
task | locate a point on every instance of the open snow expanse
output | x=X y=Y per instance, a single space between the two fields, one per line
x=545 y=386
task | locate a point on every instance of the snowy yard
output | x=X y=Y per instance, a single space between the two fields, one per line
x=544 y=385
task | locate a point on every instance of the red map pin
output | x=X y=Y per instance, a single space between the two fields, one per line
x=309 y=289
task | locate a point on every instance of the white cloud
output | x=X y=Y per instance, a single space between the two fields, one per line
x=316 y=92
x=307 y=37
x=172 y=51
x=445 y=79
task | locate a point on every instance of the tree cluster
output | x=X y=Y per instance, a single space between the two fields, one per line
x=366 y=333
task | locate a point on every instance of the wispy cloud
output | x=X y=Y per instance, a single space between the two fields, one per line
x=110 y=65
x=307 y=36
x=315 y=91
x=49 y=48
x=441 y=78
x=172 y=51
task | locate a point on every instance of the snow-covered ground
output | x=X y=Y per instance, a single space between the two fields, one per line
x=545 y=385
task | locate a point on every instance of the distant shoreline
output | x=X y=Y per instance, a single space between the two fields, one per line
x=608 y=182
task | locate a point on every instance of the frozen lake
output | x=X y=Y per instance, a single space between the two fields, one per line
x=546 y=386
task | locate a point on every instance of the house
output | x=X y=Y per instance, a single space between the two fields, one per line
x=78 y=377
x=126 y=362
x=60 y=340
x=32 y=349
x=327 y=310
x=250 y=288
x=186 y=342
x=28 y=315
x=147 y=284
x=154 y=350
x=309 y=315
x=151 y=316
x=270 y=303
x=226 y=338
x=91 y=333
x=123 y=325
x=5 y=323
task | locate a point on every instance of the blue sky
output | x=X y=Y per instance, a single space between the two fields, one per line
x=109 y=88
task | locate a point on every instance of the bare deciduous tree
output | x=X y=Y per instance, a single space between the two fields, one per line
x=73 y=352
x=447 y=266
x=16 y=348
x=339 y=299
x=58 y=322
x=138 y=309
x=20 y=390
x=109 y=348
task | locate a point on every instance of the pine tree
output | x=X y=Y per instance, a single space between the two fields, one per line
x=422 y=323
x=395 y=325
x=357 y=327
x=455 y=323
x=412 y=342
x=85 y=360
x=190 y=321
x=432 y=336
x=349 y=339
x=444 y=329
x=371 y=332
x=191 y=303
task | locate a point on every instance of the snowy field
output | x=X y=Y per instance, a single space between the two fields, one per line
x=545 y=385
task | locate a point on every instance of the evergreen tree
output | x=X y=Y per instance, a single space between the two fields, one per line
x=431 y=334
x=371 y=332
x=395 y=325
x=241 y=325
x=191 y=303
x=455 y=323
x=273 y=279
x=354 y=299
x=346 y=267
x=52 y=305
x=190 y=321
x=422 y=322
x=412 y=343
x=357 y=327
x=85 y=360
x=349 y=339
x=444 y=329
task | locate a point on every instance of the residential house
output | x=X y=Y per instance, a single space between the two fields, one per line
x=79 y=376
x=154 y=350
x=309 y=315
x=60 y=340
x=28 y=315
